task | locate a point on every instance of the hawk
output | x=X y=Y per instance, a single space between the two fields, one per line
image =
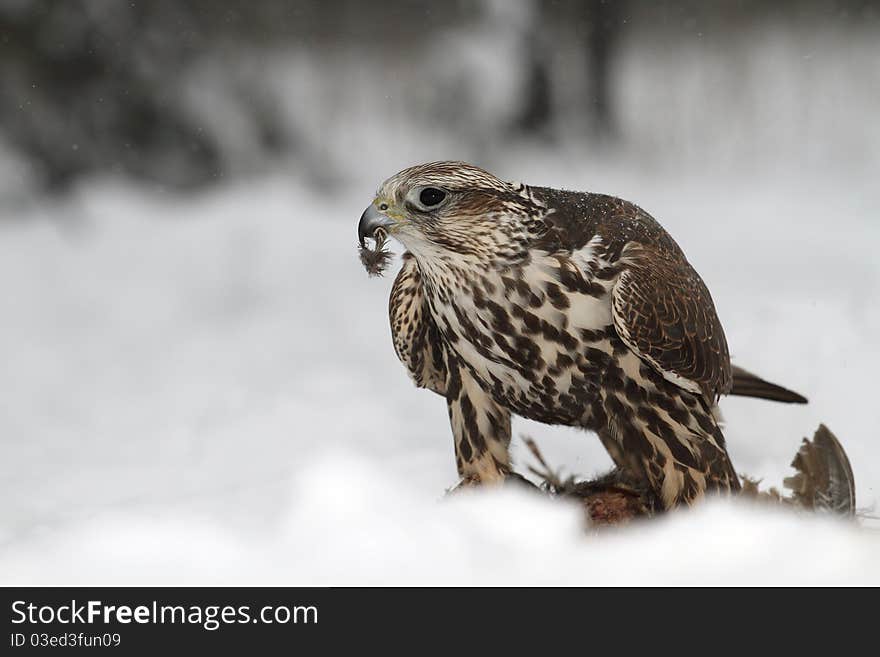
x=563 y=307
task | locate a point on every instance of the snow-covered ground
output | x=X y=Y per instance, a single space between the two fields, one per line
x=202 y=389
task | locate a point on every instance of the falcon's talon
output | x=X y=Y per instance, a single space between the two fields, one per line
x=510 y=479
x=562 y=307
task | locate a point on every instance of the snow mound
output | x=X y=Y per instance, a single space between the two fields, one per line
x=349 y=522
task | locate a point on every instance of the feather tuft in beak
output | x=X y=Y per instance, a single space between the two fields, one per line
x=377 y=258
x=373 y=225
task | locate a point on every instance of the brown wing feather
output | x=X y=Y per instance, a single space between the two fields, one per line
x=413 y=331
x=664 y=312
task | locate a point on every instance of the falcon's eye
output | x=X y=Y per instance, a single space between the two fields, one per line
x=431 y=196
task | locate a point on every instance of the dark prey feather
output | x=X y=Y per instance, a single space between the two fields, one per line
x=377 y=258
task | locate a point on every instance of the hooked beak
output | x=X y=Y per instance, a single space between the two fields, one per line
x=371 y=219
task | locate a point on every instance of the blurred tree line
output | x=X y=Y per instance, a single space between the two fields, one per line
x=93 y=86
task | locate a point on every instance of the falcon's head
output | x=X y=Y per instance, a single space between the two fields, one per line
x=445 y=208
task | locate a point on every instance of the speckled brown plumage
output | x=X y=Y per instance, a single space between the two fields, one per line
x=665 y=310
x=562 y=307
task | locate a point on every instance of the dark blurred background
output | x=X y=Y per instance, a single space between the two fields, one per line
x=186 y=92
